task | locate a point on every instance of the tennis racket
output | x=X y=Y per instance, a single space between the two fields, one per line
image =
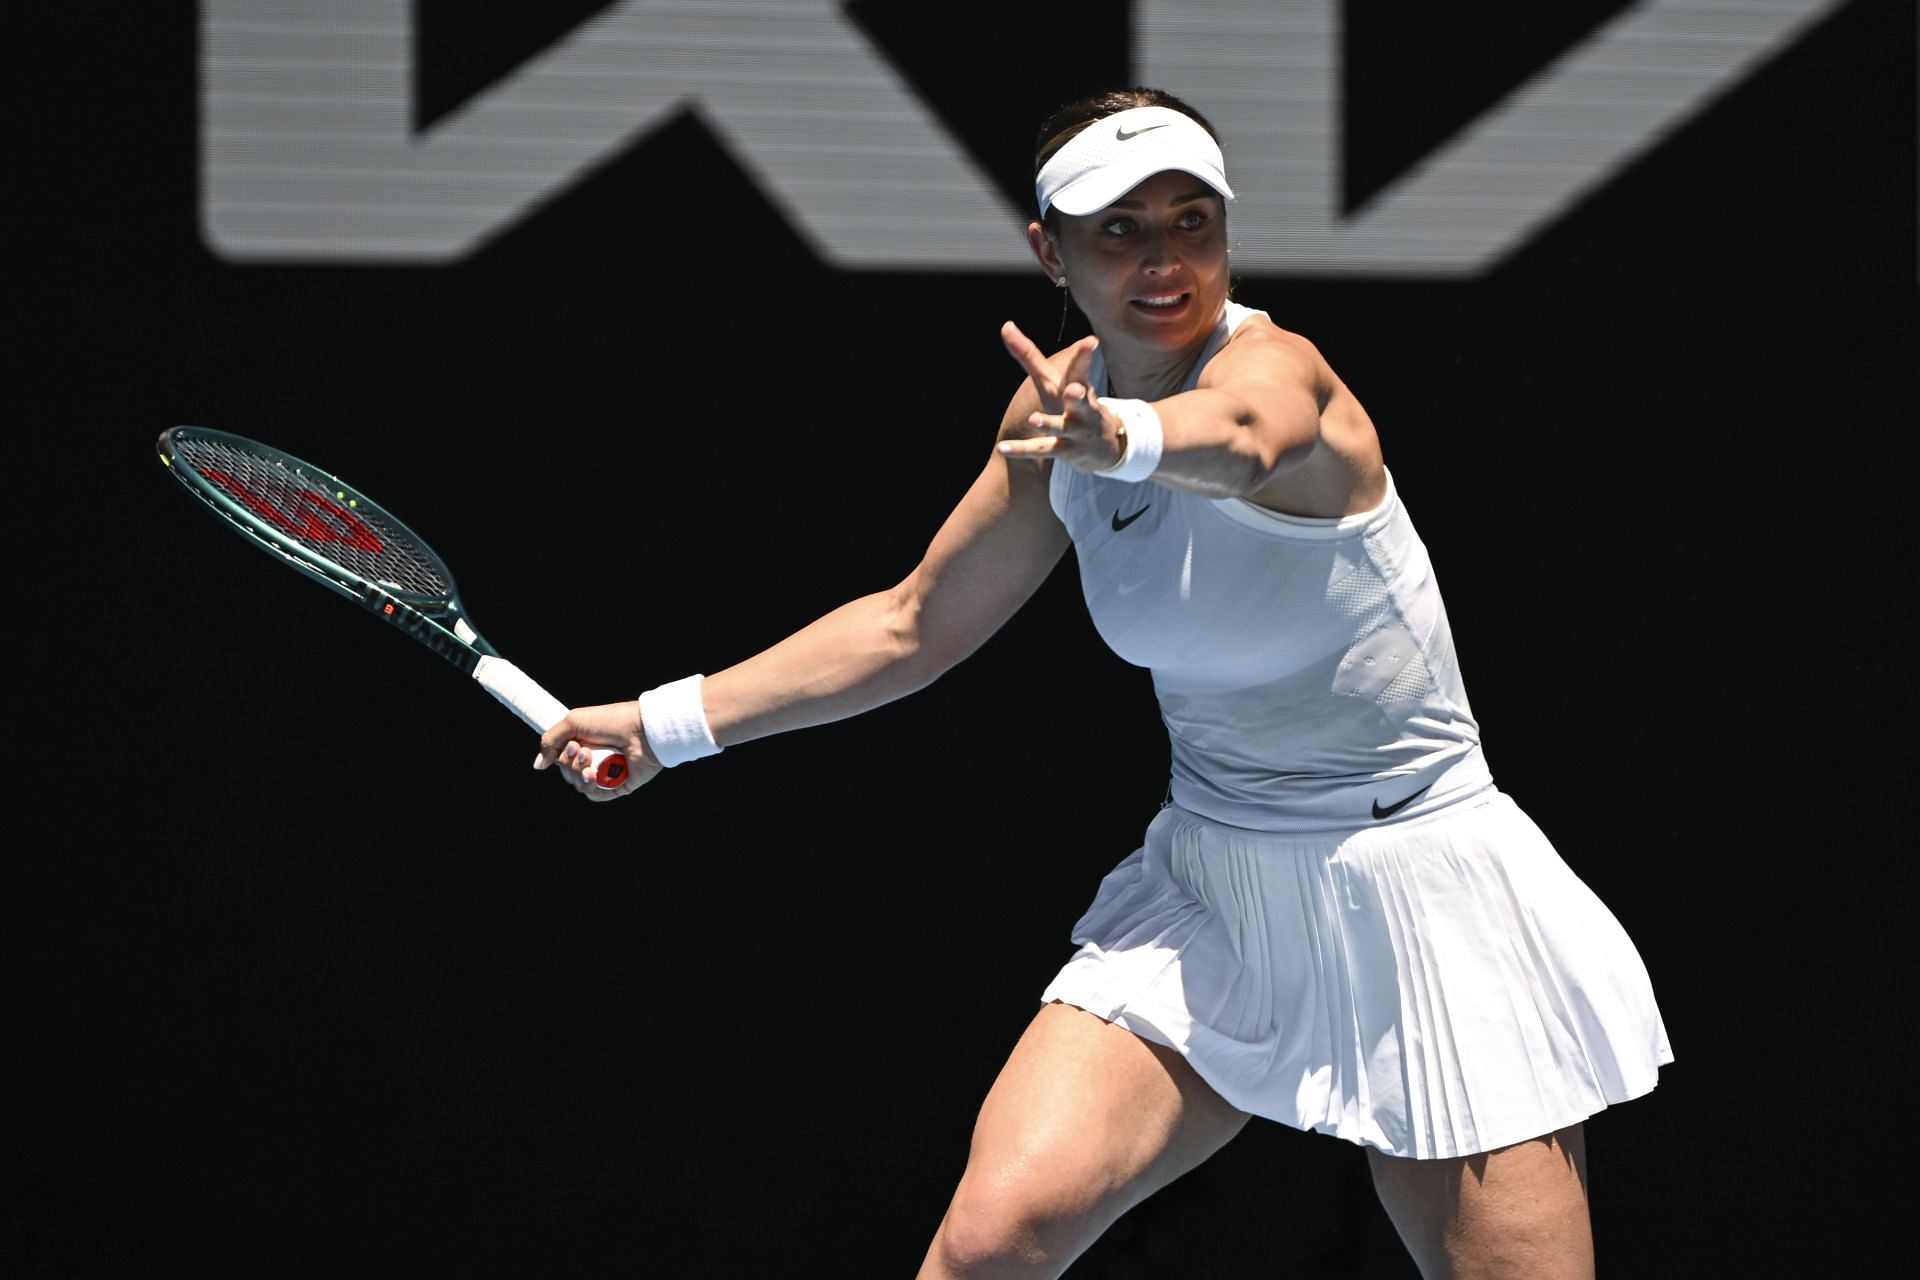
x=348 y=543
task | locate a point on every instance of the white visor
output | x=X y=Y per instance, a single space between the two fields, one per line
x=1116 y=153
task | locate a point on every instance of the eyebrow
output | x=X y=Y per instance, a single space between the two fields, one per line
x=1200 y=194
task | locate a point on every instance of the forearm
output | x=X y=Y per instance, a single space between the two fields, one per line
x=1217 y=444
x=860 y=656
x=989 y=556
x=1212 y=441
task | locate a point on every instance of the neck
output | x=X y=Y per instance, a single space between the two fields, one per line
x=1152 y=373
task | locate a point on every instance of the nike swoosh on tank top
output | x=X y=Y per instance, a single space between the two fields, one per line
x=1304 y=667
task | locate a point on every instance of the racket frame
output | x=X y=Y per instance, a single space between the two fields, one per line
x=437 y=621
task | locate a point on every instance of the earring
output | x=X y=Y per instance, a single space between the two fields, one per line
x=1061 y=281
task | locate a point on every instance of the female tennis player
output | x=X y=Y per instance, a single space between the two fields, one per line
x=1337 y=920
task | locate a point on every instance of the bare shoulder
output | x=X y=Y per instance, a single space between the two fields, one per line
x=1260 y=348
x=1343 y=473
x=1025 y=402
x=1258 y=330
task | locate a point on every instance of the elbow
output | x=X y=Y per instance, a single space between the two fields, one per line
x=903 y=638
x=1280 y=459
x=1278 y=451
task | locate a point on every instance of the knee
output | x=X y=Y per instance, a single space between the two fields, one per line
x=1016 y=1223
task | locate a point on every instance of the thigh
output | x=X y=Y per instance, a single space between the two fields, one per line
x=1085 y=1121
x=1520 y=1211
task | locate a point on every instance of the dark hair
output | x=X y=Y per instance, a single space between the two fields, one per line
x=1069 y=119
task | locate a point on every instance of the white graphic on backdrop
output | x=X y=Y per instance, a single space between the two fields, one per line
x=308 y=152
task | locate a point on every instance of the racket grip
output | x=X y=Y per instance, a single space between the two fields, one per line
x=540 y=709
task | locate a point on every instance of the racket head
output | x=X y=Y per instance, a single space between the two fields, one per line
x=312 y=519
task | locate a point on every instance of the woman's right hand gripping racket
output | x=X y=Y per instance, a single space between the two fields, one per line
x=564 y=748
x=314 y=522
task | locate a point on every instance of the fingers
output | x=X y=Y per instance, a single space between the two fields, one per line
x=1077 y=400
x=1080 y=359
x=1033 y=447
x=1079 y=416
x=561 y=750
x=1076 y=436
x=568 y=746
x=565 y=757
x=553 y=741
x=558 y=735
x=1034 y=362
x=573 y=761
x=1079 y=424
x=1021 y=347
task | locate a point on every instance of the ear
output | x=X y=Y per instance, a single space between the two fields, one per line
x=1045 y=252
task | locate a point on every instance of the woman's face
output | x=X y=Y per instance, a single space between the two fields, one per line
x=1151 y=266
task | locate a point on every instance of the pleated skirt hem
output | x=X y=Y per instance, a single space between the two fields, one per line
x=1433 y=988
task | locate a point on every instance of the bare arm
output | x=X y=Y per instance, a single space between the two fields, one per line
x=992 y=553
x=994 y=550
x=1254 y=417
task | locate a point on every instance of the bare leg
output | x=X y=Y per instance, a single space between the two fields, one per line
x=1085 y=1121
x=1518 y=1212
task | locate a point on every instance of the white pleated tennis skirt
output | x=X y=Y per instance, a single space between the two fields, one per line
x=1433 y=988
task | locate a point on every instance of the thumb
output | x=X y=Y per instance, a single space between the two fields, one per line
x=552 y=743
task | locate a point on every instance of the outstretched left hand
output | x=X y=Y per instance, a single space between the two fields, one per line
x=1070 y=426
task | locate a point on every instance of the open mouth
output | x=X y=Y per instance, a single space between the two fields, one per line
x=1162 y=304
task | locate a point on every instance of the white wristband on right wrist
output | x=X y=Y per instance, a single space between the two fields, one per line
x=1142 y=440
x=675 y=722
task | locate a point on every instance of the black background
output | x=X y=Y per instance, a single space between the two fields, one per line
x=322 y=980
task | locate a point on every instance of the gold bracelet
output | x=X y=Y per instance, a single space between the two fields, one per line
x=1119 y=443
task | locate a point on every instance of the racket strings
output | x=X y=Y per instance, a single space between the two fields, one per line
x=319 y=513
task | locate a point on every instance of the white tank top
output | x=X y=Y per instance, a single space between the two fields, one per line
x=1304 y=667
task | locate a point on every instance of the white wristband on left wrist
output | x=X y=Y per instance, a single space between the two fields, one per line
x=1142 y=440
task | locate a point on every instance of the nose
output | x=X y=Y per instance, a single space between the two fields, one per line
x=1157 y=256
